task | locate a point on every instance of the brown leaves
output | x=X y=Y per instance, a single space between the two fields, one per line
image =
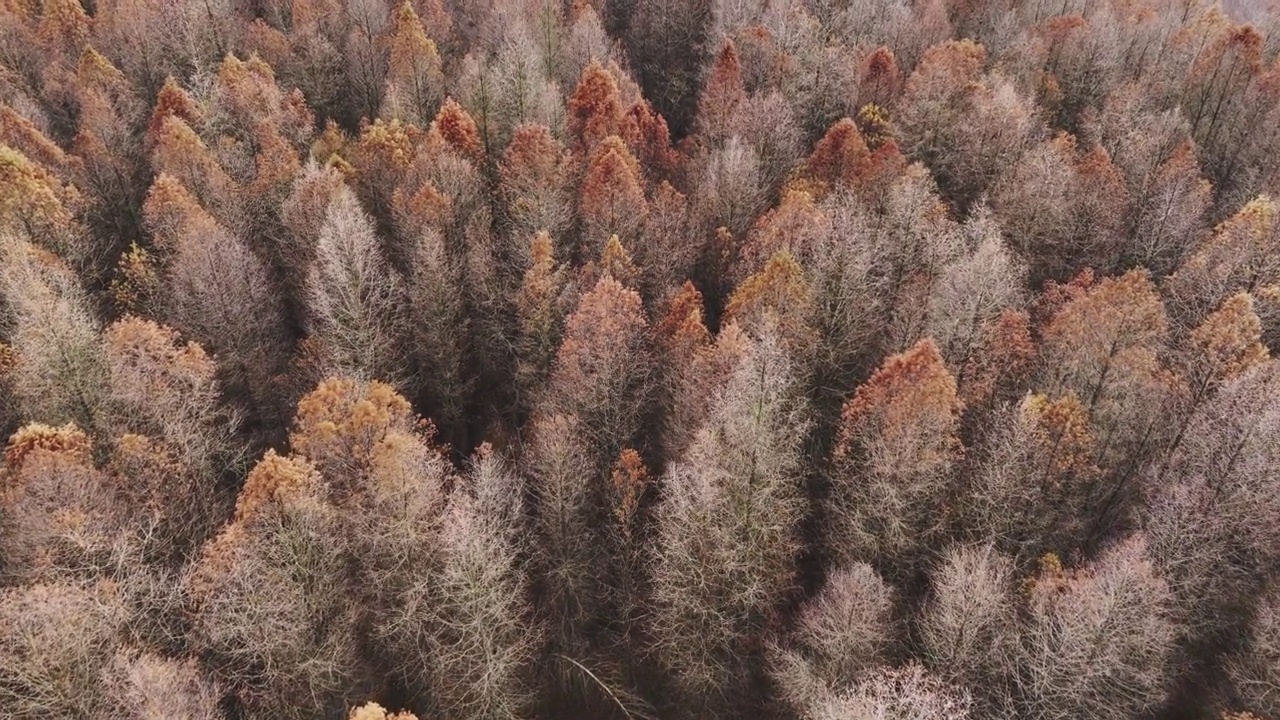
x=595 y=108
x=911 y=393
x=612 y=200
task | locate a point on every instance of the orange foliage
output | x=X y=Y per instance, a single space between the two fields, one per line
x=171 y=101
x=628 y=481
x=595 y=108
x=342 y=421
x=427 y=207
x=612 y=197
x=722 y=92
x=68 y=441
x=779 y=293
x=64 y=27
x=880 y=80
x=458 y=129
x=646 y=134
x=797 y=225
x=912 y=392
x=374 y=711
x=20 y=134
x=1227 y=343
x=275 y=480
x=1063 y=437
x=1002 y=358
x=681 y=332
x=616 y=262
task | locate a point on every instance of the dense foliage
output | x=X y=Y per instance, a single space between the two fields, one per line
x=639 y=359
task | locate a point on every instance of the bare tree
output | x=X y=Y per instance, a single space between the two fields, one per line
x=728 y=529
x=969 y=627
x=843 y=631
x=60 y=373
x=55 y=640
x=1097 y=641
x=354 y=296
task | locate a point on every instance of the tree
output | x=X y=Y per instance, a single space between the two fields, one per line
x=972 y=292
x=62 y=520
x=36 y=206
x=272 y=610
x=539 y=313
x=482 y=641
x=161 y=386
x=217 y=291
x=728 y=529
x=60 y=371
x=778 y=296
x=667 y=41
x=1097 y=640
x=54 y=641
x=970 y=628
x=353 y=296
x=895 y=449
x=1255 y=672
x=595 y=108
x=533 y=186
x=1169 y=215
x=435 y=300
x=1238 y=256
x=1104 y=346
x=140 y=685
x=414 y=79
x=611 y=201
x=965 y=126
x=907 y=692
x=1061 y=204
x=844 y=631
x=601 y=374
x=722 y=93
x=1206 y=531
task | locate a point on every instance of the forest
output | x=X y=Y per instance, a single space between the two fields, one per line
x=639 y=360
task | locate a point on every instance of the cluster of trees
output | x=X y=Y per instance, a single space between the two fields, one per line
x=638 y=359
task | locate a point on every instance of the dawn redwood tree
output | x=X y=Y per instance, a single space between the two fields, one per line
x=217 y=291
x=728 y=530
x=1097 y=640
x=354 y=296
x=60 y=370
x=969 y=626
x=414 y=83
x=272 y=610
x=847 y=629
x=897 y=444
x=602 y=374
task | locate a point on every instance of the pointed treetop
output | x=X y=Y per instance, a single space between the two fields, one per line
x=911 y=392
x=64 y=27
x=841 y=156
x=645 y=132
x=880 y=79
x=778 y=295
x=612 y=199
x=22 y=135
x=408 y=40
x=458 y=129
x=628 y=483
x=1228 y=342
x=722 y=92
x=595 y=107
x=617 y=262
x=681 y=332
x=172 y=101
